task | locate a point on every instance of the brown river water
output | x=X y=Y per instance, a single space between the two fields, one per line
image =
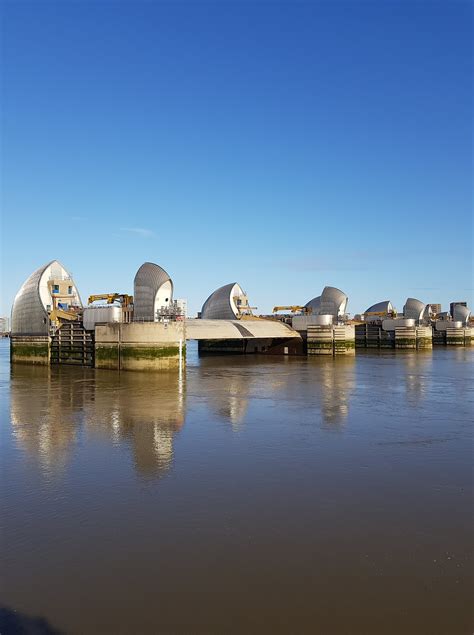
x=246 y=495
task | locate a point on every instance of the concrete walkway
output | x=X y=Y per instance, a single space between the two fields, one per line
x=237 y=329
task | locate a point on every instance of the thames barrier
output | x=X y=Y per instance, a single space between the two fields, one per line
x=149 y=330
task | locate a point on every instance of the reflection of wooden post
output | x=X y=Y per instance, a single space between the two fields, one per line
x=119 y=352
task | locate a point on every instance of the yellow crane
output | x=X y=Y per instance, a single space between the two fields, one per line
x=381 y=314
x=123 y=298
x=293 y=308
x=58 y=315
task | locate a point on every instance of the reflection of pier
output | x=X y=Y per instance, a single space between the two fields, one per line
x=230 y=386
x=228 y=392
x=417 y=369
x=143 y=410
x=45 y=410
x=337 y=382
x=50 y=407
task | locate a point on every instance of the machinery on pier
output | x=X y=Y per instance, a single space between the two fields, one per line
x=380 y=314
x=293 y=309
x=380 y=311
x=124 y=299
x=58 y=316
x=110 y=307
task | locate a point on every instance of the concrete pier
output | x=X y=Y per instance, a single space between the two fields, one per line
x=320 y=340
x=424 y=337
x=453 y=336
x=458 y=336
x=139 y=346
x=30 y=349
x=405 y=337
x=330 y=340
x=244 y=336
x=401 y=337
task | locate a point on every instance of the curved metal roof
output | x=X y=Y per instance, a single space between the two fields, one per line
x=148 y=280
x=461 y=313
x=314 y=305
x=381 y=307
x=413 y=309
x=29 y=315
x=219 y=305
x=427 y=312
x=332 y=301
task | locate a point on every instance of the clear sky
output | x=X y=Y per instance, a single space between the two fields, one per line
x=285 y=146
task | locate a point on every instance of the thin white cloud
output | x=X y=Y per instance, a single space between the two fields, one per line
x=139 y=231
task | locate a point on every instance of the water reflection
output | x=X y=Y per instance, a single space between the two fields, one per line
x=45 y=408
x=54 y=409
x=51 y=408
x=337 y=384
x=323 y=384
x=143 y=410
x=276 y=499
x=417 y=368
x=227 y=385
x=334 y=382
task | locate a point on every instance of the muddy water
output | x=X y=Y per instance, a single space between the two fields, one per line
x=250 y=495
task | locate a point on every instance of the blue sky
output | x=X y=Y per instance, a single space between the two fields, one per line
x=284 y=146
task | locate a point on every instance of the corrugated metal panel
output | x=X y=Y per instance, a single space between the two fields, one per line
x=314 y=305
x=461 y=313
x=148 y=280
x=332 y=301
x=381 y=307
x=413 y=309
x=29 y=316
x=218 y=305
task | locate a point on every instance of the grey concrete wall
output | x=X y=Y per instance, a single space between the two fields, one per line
x=424 y=337
x=238 y=329
x=139 y=346
x=267 y=346
x=331 y=340
x=30 y=349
